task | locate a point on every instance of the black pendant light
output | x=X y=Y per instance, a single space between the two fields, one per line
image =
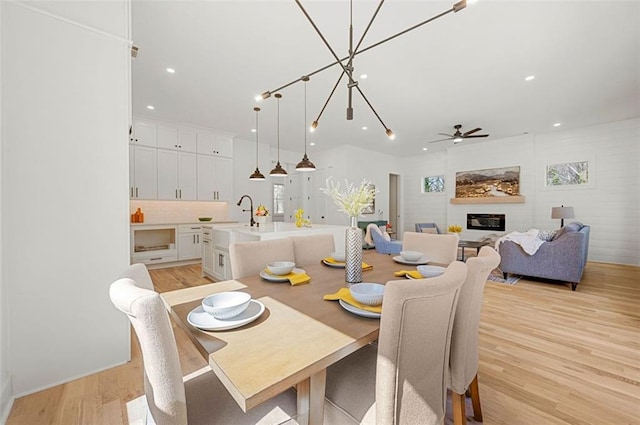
x=278 y=171
x=257 y=175
x=305 y=165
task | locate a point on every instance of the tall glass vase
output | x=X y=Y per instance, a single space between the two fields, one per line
x=353 y=252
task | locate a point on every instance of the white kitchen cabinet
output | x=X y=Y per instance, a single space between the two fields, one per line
x=177 y=175
x=189 y=241
x=142 y=172
x=207 y=257
x=144 y=134
x=210 y=143
x=153 y=244
x=214 y=178
x=221 y=268
x=167 y=137
x=187 y=140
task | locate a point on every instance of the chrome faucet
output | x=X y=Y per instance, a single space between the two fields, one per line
x=252 y=222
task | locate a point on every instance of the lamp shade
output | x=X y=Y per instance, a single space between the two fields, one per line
x=562 y=212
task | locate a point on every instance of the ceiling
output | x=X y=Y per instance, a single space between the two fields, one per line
x=464 y=68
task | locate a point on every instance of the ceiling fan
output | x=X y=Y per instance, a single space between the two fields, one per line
x=458 y=136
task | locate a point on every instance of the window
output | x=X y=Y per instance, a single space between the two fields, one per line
x=433 y=184
x=278 y=199
x=569 y=173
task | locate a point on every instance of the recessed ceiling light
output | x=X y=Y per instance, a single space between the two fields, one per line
x=364 y=76
x=253 y=130
x=530 y=77
x=171 y=70
x=425 y=149
x=472 y=1
x=558 y=124
x=364 y=127
x=151 y=107
x=258 y=98
x=312 y=143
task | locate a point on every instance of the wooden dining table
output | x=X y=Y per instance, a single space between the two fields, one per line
x=292 y=343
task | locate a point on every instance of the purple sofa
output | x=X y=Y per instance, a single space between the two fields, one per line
x=563 y=258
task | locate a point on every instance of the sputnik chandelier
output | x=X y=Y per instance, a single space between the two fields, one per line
x=346 y=63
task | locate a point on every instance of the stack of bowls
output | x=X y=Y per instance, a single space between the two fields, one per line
x=367 y=293
x=281 y=268
x=411 y=255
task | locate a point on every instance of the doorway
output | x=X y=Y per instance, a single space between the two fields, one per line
x=394 y=209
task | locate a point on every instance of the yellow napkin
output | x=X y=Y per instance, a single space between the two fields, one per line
x=294 y=278
x=333 y=260
x=345 y=295
x=413 y=273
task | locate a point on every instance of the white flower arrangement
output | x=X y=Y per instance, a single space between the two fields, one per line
x=353 y=200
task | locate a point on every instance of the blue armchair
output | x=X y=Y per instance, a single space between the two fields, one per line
x=563 y=258
x=381 y=244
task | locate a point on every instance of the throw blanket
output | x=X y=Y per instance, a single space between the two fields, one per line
x=528 y=240
x=367 y=236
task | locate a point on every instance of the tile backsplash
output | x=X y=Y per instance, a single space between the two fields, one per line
x=165 y=212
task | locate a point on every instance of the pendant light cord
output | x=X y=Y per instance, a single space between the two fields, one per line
x=257 y=134
x=305 y=118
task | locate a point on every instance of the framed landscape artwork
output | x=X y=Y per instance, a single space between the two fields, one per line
x=489 y=183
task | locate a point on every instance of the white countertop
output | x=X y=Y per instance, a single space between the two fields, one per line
x=176 y=223
x=280 y=227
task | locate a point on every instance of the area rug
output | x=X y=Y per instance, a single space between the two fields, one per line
x=496 y=276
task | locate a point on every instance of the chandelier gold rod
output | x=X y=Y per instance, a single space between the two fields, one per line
x=372 y=109
x=329 y=98
x=324 y=40
x=456 y=7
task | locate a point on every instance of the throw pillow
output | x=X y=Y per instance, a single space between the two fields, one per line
x=431 y=230
x=546 y=235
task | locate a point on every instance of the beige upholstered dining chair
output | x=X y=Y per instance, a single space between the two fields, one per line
x=139 y=274
x=313 y=248
x=249 y=258
x=442 y=249
x=405 y=382
x=463 y=362
x=201 y=400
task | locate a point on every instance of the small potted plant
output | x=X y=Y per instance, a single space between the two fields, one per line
x=455 y=228
x=261 y=214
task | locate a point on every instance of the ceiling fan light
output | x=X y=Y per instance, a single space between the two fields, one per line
x=257 y=176
x=457 y=139
x=305 y=165
x=313 y=127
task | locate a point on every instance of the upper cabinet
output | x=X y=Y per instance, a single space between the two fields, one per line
x=210 y=143
x=143 y=133
x=178 y=162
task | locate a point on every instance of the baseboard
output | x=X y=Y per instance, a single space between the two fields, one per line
x=6 y=401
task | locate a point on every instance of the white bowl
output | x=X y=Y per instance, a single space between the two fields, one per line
x=367 y=293
x=281 y=268
x=411 y=255
x=226 y=305
x=430 y=271
x=338 y=256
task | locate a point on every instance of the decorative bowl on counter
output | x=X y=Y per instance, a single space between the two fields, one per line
x=205 y=218
x=226 y=305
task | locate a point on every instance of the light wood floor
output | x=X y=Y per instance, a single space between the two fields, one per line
x=547 y=356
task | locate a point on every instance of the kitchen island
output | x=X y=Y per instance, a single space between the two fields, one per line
x=216 y=241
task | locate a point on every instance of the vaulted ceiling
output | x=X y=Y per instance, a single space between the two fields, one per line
x=464 y=68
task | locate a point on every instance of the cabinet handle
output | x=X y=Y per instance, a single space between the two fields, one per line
x=205 y=241
x=136 y=192
x=194 y=238
x=180 y=193
x=132 y=192
x=176 y=193
x=155 y=259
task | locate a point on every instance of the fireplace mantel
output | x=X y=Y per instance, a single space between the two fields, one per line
x=490 y=200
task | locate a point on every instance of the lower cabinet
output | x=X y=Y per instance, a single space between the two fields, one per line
x=207 y=258
x=221 y=268
x=189 y=242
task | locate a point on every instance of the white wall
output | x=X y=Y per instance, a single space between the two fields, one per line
x=6 y=392
x=610 y=204
x=65 y=115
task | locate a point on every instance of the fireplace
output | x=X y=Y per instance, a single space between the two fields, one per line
x=494 y=222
